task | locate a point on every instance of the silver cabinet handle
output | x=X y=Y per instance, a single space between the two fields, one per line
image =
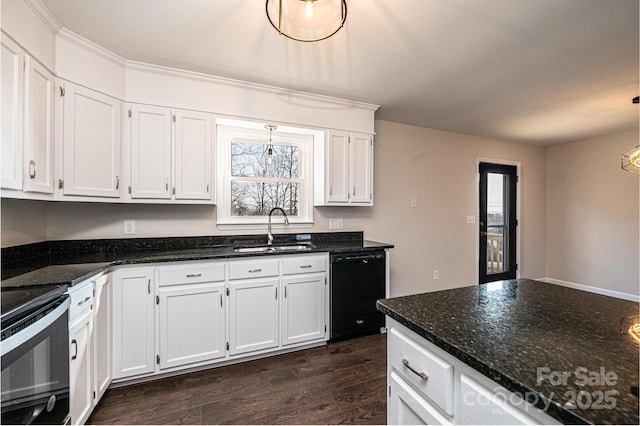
x=117 y=182
x=255 y=270
x=207 y=187
x=305 y=266
x=166 y=184
x=32 y=169
x=75 y=342
x=354 y=190
x=418 y=373
x=194 y=275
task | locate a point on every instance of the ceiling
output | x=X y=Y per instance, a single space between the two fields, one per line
x=534 y=71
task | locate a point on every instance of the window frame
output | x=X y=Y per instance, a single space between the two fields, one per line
x=229 y=129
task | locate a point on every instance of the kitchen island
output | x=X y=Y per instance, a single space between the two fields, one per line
x=567 y=352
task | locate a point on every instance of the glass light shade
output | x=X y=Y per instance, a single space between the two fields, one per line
x=307 y=20
x=631 y=160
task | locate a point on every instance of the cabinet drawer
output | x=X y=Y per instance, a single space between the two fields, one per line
x=303 y=265
x=81 y=299
x=411 y=360
x=253 y=269
x=195 y=273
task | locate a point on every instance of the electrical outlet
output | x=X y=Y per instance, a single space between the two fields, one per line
x=414 y=202
x=335 y=224
x=436 y=274
x=129 y=226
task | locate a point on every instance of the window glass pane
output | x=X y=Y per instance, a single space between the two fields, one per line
x=251 y=159
x=495 y=223
x=258 y=198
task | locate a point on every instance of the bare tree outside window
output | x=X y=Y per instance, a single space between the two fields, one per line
x=256 y=186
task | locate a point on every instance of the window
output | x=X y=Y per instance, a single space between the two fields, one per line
x=250 y=184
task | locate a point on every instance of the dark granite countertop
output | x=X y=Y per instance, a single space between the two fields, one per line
x=71 y=262
x=509 y=330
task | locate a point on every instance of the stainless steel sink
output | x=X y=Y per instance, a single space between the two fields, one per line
x=273 y=248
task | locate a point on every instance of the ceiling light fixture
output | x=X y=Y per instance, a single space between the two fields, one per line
x=307 y=20
x=630 y=160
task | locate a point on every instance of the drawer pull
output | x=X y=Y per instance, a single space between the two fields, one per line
x=305 y=266
x=255 y=270
x=194 y=275
x=418 y=373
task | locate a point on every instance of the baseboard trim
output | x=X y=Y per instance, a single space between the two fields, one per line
x=591 y=289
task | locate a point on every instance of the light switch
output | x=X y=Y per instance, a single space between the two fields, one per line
x=414 y=202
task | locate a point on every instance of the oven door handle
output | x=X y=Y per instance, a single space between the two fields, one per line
x=36 y=328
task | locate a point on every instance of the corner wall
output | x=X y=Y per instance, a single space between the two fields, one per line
x=593 y=214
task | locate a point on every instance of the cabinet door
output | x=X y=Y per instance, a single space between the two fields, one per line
x=253 y=315
x=80 y=371
x=91 y=143
x=192 y=326
x=102 y=338
x=338 y=167
x=303 y=308
x=480 y=405
x=361 y=169
x=150 y=152
x=193 y=156
x=38 y=129
x=12 y=62
x=408 y=407
x=133 y=322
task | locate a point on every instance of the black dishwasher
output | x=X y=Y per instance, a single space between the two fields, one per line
x=357 y=282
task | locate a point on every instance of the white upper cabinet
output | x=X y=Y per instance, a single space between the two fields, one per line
x=344 y=170
x=150 y=152
x=27 y=121
x=361 y=169
x=91 y=143
x=170 y=154
x=12 y=77
x=38 y=129
x=194 y=147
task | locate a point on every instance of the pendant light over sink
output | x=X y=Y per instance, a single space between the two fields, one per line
x=307 y=20
x=270 y=153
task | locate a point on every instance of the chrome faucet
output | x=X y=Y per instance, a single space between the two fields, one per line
x=269 y=234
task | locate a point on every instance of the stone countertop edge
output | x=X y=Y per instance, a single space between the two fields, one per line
x=74 y=270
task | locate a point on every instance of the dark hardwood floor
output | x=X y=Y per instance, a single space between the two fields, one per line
x=340 y=383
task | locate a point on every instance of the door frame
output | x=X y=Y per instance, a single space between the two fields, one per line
x=518 y=211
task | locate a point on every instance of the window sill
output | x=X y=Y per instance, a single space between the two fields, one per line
x=262 y=226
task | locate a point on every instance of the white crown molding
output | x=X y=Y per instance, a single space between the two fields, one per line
x=45 y=15
x=92 y=47
x=293 y=94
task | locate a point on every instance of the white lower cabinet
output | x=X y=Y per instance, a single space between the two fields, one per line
x=101 y=342
x=191 y=314
x=253 y=315
x=429 y=386
x=304 y=283
x=408 y=407
x=133 y=322
x=80 y=352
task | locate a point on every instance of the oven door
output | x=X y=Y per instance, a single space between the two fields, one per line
x=35 y=367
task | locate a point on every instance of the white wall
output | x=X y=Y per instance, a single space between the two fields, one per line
x=438 y=168
x=593 y=214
